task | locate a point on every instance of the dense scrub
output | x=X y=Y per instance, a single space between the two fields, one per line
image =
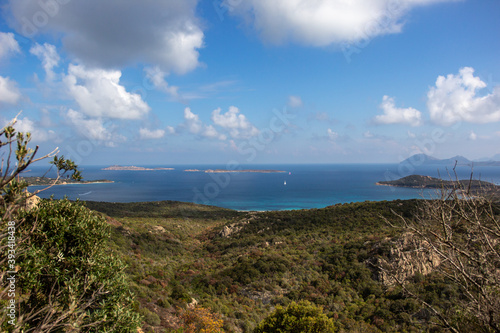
x=273 y=258
x=242 y=265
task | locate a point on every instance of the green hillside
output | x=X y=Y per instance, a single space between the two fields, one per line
x=240 y=265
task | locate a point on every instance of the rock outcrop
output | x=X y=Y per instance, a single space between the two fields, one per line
x=408 y=256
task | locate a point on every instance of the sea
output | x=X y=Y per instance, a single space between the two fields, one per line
x=300 y=186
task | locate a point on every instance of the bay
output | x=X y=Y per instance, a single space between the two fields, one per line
x=307 y=186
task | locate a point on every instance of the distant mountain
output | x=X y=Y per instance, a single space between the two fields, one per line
x=423 y=159
x=494 y=158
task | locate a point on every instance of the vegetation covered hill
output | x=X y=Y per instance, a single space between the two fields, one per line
x=418 y=181
x=400 y=266
x=241 y=265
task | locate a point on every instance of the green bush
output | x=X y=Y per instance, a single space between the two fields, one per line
x=303 y=317
x=150 y=317
x=68 y=277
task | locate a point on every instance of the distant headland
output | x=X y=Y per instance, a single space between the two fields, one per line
x=45 y=181
x=427 y=182
x=423 y=159
x=133 y=168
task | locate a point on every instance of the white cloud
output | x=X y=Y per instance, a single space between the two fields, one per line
x=48 y=55
x=99 y=94
x=8 y=44
x=147 y=134
x=8 y=91
x=192 y=121
x=235 y=122
x=170 y=130
x=324 y=22
x=99 y=33
x=332 y=135
x=394 y=115
x=25 y=125
x=294 y=101
x=194 y=125
x=455 y=98
x=93 y=129
x=472 y=136
x=157 y=78
x=211 y=132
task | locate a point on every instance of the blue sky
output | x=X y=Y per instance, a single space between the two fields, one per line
x=253 y=81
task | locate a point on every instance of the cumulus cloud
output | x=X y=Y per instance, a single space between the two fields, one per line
x=157 y=78
x=211 y=132
x=324 y=22
x=472 y=136
x=332 y=135
x=455 y=98
x=236 y=123
x=99 y=33
x=99 y=94
x=192 y=121
x=294 y=101
x=194 y=125
x=8 y=44
x=48 y=55
x=27 y=125
x=147 y=134
x=93 y=129
x=8 y=91
x=394 y=115
x=170 y=130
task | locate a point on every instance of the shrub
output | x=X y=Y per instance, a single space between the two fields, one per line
x=303 y=317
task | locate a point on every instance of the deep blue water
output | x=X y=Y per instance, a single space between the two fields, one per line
x=307 y=186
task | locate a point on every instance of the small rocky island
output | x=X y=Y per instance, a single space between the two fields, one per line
x=427 y=182
x=234 y=171
x=244 y=170
x=133 y=168
x=46 y=181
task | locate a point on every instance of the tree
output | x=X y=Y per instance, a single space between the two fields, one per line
x=57 y=273
x=303 y=317
x=463 y=229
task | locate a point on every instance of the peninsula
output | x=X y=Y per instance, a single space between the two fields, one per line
x=427 y=182
x=45 y=181
x=133 y=168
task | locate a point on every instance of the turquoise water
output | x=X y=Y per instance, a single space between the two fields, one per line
x=307 y=186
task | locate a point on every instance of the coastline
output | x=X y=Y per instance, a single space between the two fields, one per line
x=41 y=181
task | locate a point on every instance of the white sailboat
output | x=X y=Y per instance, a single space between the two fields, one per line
x=284 y=183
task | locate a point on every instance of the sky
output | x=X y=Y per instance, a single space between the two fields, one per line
x=150 y=82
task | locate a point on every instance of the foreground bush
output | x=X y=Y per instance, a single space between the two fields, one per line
x=57 y=273
x=68 y=280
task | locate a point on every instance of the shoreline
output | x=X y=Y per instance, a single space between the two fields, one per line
x=41 y=181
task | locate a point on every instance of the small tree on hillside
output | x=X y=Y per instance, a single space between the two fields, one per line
x=56 y=272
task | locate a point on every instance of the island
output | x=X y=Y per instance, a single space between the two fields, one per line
x=133 y=168
x=244 y=170
x=46 y=181
x=427 y=182
x=192 y=170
